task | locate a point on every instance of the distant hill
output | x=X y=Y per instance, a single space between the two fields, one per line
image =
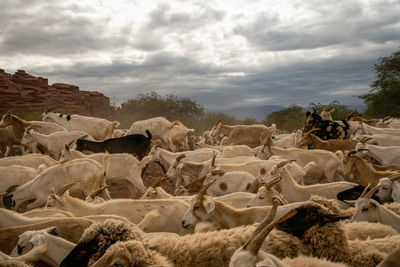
x=258 y=113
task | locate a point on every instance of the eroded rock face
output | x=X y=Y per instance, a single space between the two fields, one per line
x=24 y=92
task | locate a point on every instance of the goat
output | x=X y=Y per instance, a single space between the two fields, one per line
x=384 y=155
x=370 y=210
x=169 y=211
x=122 y=166
x=160 y=128
x=21 y=125
x=71 y=229
x=15 y=175
x=384 y=140
x=88 y=171
x=328 y=164
x=98 y=128
x=327 y=129
x=9 y=139
x=59 y=247
x=332 y=145
x=370 y=130
x=205 y=208
x=135 y=144
x=34 y=255
x=251 y=135
x=294 y=192
x=266 y=195
x=390 y=190
x=364 y=171
x=29 y=160
x=53 y=142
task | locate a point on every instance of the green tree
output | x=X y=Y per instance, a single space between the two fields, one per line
x=288 y=119
x=384 y=97
x=150 y=105
x=340 y=112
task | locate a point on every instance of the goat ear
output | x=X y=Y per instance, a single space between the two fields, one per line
x=67 y=147
x=308 y=113
x=209 y=204
x=53 y=231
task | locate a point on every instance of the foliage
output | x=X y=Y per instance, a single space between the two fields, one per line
x=150 y=105
x=340 y=112
x=289 y=119
x=384 y=97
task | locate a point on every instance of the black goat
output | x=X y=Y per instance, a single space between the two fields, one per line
x=354 y=193
x=136 y=144
x=327 y=129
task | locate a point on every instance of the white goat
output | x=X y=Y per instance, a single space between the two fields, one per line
x=370 y=210
x=54 y=142
x=98 y=128
x=328 y=164
x=29 y=160
x=88 y=171
x=14 y=175
x=390 y=190
x=384 y=155
x=294 y=192
x=59 y=248
x=122 y=166
x=380 y=139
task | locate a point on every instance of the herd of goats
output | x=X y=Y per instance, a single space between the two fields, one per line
x=244 y=195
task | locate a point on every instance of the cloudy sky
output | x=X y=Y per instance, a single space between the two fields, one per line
x=222 y=54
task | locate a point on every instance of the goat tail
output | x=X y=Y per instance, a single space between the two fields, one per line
x=149 y=136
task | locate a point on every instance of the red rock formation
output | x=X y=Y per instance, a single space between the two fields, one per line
x=27 y=93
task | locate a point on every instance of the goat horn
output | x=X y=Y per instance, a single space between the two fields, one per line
x=324 y=109
x=280 y=197
x=205 y=187
x=256 y=242
x=178 y=158
x=49 y=109
x=267 y=220
x=313 y=130
x=83 y=136
x=98 y=191
x=3 y=194
x=350 y=114
x=158 y=182
x=66 y=187
x=213 y=159
x=364 y=192
x=8 y=112
x=365 y=139
x=386 y=118
x=372 y=191
x=394 y=177
x=283 y=163
x=351 y=152
x=273 y=182
x=70 y=143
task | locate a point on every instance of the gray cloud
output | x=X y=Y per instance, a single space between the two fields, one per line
x=54 y=30
x=339 y=22
x=327 y=56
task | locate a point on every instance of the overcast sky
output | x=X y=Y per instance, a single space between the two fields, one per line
x=222 y=54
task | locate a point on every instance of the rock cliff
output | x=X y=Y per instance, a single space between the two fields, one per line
x=24 y=92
